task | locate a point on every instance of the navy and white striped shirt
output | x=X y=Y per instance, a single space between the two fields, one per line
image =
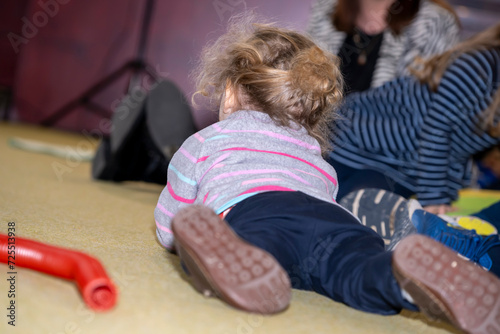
x=421 y=139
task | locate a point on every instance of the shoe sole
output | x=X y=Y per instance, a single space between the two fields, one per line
x=222 y=264
x=377 y=209
x=447 y=287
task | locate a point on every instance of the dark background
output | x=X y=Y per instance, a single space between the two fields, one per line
x=52 y=51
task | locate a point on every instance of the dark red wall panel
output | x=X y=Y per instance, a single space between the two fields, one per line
x=11 y=12
x=82 y=41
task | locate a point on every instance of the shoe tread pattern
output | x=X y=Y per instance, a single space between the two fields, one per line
x=243 y=275
x=377 y=209
x=464 y=294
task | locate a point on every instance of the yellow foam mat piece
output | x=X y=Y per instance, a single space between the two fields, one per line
x=474 y=200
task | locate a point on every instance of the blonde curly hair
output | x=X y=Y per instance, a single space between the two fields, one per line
x=273 y=70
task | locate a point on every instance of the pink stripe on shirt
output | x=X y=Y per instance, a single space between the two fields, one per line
x=178 y=198
x=205 y=198
x=165 y=211
x=216 y=162
x=199 y=137
x=313 y=175
x=214 y=197
x=163 y=228
x=259 y=171
x=269 y=179
x=273 y=135
x=328 y=176
x=187 y=155
x=266 y=188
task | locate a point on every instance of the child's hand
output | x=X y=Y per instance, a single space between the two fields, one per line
x=440 y=209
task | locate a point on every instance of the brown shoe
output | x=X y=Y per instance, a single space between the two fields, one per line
x=222 y=264
x=447 y=287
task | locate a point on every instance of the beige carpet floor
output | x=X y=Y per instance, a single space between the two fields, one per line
x=53 y=200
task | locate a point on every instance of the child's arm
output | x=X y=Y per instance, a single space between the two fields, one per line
x=440 y=209
x=181 y=189
x=464 y=92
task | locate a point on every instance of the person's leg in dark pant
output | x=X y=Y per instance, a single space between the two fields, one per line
x=322 y=247
x=351 y=179
x=491 y=214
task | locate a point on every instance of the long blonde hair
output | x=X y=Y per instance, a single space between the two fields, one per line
x=273 y=70
x=430 y=71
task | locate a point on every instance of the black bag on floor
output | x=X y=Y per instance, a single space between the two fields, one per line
x=147 y=129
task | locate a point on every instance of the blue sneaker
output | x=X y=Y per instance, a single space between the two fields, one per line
x=466 y=242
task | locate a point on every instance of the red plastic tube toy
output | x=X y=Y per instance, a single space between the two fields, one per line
x=97 y=289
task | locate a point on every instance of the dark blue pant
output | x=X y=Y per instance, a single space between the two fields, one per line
x=351 y=179
x=491 y=214
x=322 y=247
